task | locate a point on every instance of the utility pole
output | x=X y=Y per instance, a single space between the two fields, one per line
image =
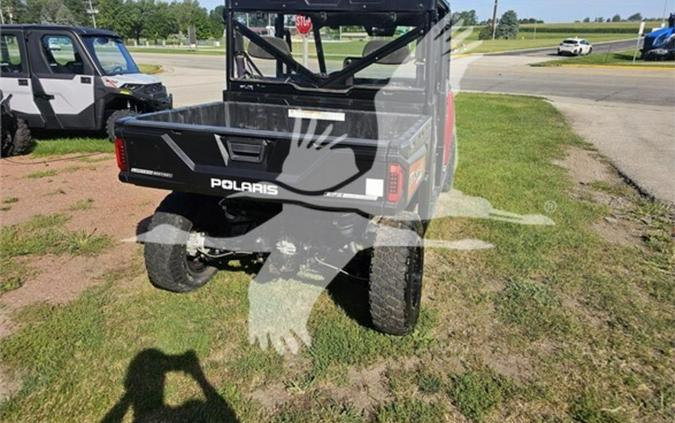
x=92 y=12
x=494 y=20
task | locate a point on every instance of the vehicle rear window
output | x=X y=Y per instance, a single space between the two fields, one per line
x=10 y=55
x=571 y=41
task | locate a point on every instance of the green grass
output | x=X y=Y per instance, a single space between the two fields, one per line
x=337 y=51
x=82 y=205
x=411 y=410
x=150 y=69
x=532 y=307
x=554 y=324
x=624 y=58
x=552 y=40
x=176 y=50
x=39 y=236
x=605 y=27
x=63 y=146
x=42 y=174
x=477 y=393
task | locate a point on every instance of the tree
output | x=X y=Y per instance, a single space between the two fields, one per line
x=616 y=18
x=485 y=32
x=635 y=17
x=55 y=12
x=468 y=18
x=599 y=20
x=217 y=26
x=587 y=20
x=508 y=25
x=114 y=15
x=161 y=23
x=14 y=11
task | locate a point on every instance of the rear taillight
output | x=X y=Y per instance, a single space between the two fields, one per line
x=395 y=179
x=121 y=155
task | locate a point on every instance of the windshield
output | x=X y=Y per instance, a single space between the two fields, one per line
x=111 y=55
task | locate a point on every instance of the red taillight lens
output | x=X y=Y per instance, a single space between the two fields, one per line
x=449 y=129
x=121 y=155
x=395 y=180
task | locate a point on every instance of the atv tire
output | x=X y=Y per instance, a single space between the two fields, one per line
x=168 y=264
x=396 y=270
x=18 y=143
x=114 y=117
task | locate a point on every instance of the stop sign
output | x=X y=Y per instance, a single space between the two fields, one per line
x=303 y=24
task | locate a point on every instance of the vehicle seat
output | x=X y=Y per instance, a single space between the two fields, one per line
x=254 y=50
x=398 y=57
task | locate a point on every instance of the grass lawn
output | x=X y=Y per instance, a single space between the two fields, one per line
x=150 y=69
x=340 y=50
x=178 y=50
x=81 y=145
x=606 y=27
x=42 y=235
x=554 y=324
x=527 y=40
x=624 y=58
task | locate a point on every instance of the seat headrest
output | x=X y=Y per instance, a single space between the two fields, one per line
x=254 y=50
x=398 y=57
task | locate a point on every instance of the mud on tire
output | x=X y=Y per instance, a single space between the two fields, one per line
x=396 y=274
x=167 y=263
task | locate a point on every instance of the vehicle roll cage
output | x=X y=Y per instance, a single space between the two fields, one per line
x=332 y=80
x=378 y=18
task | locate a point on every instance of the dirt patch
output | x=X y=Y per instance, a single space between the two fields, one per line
x=113 y=209
x=513 y=366
x=8 y=386
x=588 y=169
x=272 y=396
x=366 y=388
x=618 y=232
x=585 y=167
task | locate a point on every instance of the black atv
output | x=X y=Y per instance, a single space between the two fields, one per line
x=16 y=138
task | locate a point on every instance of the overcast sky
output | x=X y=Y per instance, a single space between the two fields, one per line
x=550 y=10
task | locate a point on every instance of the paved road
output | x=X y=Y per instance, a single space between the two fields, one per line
x=640 y=141
x=612 y=46
x=512 y=74
x=499 y=74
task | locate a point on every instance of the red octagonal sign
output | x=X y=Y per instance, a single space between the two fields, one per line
x=303 y=24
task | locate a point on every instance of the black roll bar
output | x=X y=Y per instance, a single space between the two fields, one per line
x=331 y=80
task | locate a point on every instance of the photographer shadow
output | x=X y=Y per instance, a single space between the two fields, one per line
x=145 y=388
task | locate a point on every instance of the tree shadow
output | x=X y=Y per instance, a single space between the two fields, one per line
x=145 y=388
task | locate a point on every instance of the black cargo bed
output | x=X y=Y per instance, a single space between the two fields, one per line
x=186 y=149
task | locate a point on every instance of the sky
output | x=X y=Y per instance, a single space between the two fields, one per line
x=550 y=10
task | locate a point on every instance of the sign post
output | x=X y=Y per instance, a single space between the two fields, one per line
x=639 y=38
x=304 y=26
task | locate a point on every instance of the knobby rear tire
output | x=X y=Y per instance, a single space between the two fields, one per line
x=168 y=265
x=396 y=274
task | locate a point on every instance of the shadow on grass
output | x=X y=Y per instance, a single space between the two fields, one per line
x=145 y=389
x=351 y=293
